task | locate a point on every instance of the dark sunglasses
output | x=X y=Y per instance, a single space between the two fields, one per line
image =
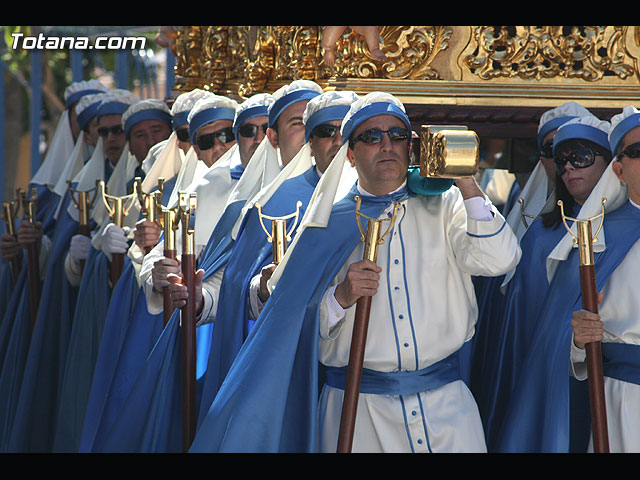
x=325 y=131
x=546 y=150
x=206 y=141
x=374 y=135
x=631 y=151
x=183 y=134
x=115 y=130
x=249 y=130
x=580 y=158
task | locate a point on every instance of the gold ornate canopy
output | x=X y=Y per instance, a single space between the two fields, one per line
x=496 y=80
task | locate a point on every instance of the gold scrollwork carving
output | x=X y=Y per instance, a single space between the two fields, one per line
x=587 y=53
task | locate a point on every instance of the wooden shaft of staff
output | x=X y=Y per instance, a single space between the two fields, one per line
x=167 y=303
x=15 y=268
x=354 y=375
x=34 y=281
x=188 y=353
x=117 y=263
x=594 y=365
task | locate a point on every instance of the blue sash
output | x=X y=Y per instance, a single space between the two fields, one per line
x=621 y=361
x=400 y=383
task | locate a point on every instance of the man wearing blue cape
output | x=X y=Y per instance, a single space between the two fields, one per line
x=494 y=346
x=32 y=428
x=15 y=323
x=423 y=313
x=243 y=287
x=548 y=409
x=144 y=124
x=616 y=323
x=124 y=356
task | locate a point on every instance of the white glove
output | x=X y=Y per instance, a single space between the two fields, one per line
x=114 y=240
x=80 y=246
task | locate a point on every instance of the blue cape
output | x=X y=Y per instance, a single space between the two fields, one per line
x=506 y=323
x=93 y=311
x=250 y=253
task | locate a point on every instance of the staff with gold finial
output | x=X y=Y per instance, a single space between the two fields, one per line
x=186 y=208
x=278 y=236
x=372 y=238
x=584 y=239
x=118 y=209
x=83 y=201
x=29 y=207
x=9 y=213
x=150 y=205
x=170 y=221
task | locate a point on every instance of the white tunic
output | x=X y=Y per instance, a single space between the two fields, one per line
x=424 y=311
x=619 y=312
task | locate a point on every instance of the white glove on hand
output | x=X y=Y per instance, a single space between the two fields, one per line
x=80 y=246
x=114 y=240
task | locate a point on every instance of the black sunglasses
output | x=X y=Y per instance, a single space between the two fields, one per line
x=546 y=150
x=631 y=151
x=206 y=141
x=580 y=158
x=249 y=130
x=182 y=134
x=115 y=130
x=325 y=131
x=374 y=135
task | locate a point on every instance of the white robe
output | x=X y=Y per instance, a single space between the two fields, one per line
x=424 y=311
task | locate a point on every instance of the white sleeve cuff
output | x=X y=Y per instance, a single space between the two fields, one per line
x=334 y=309
x=480 y=209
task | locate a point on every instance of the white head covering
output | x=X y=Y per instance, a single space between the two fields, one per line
x=608 y=187
x=208 y=109
x=149 y=109
x=183 y=105
x=62 y=144
x=552 y=119
x=340 y=176
x=621 y=124
x=289 y=94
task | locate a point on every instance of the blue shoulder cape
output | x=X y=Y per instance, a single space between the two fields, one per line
x=92 y=314
x=505 y=325
x=250 y=253
x=147 y=417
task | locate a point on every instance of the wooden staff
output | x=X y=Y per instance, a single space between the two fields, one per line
x=372 y=238
x=9 y=214
x=278 y=236
x=188 y=321
x=29 y=207
x=117 y=212
x=170 y=222
x=593 y=349
x=84 y=203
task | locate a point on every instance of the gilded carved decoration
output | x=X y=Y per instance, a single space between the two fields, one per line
x=454 y=65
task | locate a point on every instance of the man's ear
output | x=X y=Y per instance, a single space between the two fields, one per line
x=272 y=135
x=351 y=158
x=618 y=170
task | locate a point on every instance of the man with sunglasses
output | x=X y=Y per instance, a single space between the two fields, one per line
x=616 y=324
x=211 y=127
x=423 y=309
